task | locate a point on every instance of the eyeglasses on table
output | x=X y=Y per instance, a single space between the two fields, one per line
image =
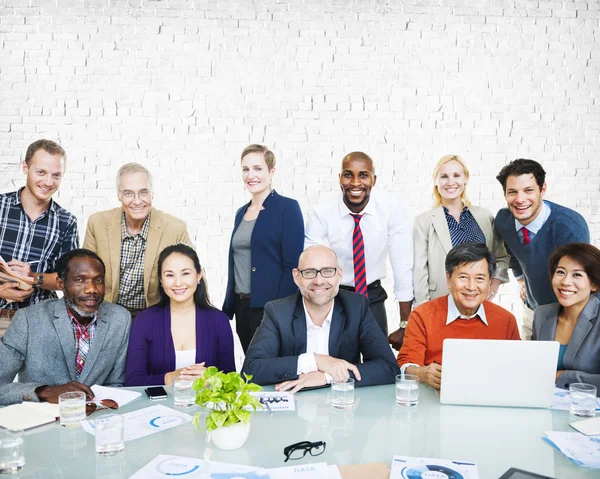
x=300 y=449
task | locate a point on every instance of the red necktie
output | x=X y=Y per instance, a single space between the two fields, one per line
x=526 y=238
x=358 y=249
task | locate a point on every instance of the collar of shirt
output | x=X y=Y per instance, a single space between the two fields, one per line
x=143 y=234
x=454 y=313
x=369 y=209
x=310 y=325
x=80 y=326
x=537 y=223
x=17 y=201
x=447 y=211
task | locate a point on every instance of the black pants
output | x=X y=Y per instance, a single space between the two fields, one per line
x=247 y=320
x=377 y=297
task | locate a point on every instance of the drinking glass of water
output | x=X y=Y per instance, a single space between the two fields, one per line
x=407 y=390
x=110 y=435
x=583 y=400
x=184 y=395
x=72 y=408
x=12 y=455
x=342 y=394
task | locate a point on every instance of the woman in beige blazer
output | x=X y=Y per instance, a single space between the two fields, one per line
x=452 y=221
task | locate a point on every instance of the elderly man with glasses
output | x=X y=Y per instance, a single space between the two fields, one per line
x=319 y=333
x=130 y=238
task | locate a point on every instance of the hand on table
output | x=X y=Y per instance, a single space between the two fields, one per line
x=336 y=368
x=50 y=393
x=316 y=378
x=189 y=373
x=397 y=338
x=431 y=375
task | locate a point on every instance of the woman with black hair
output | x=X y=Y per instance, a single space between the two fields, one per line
x=184 y=333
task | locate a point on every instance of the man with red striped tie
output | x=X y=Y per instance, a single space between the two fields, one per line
x=364 y=228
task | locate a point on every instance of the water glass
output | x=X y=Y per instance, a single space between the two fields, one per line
x=342 y=394
x=12 y=455
x=407 y=390
x=110 y=435
x=184 y=395
x=72 y=408
x=583 y=400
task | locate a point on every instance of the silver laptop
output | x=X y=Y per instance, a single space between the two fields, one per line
x=486 y=372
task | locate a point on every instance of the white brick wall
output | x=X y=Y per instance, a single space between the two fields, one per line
x=182 y=86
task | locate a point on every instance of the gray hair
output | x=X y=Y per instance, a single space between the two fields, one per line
x=133 y=168
x=470 y=252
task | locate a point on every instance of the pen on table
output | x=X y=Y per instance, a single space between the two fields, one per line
x=266 y=403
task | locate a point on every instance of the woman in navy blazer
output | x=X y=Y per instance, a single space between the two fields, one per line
x=183 y=334
x=267 y=239
x=575 y=320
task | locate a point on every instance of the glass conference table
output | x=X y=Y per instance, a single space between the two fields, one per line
x=373 y=431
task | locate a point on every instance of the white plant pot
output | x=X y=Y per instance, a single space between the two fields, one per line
x=230 y=437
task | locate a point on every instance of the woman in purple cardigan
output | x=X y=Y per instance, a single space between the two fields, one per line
x=184 y=333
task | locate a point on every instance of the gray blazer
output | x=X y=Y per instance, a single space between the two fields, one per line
x=353 y=336
x=431 y=244
x=582 y=356
x=40 y=347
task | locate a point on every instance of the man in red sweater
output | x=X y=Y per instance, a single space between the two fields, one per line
x=464 y=313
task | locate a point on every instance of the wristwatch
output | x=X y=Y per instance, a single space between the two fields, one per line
x=403 y=324
x=39 y=279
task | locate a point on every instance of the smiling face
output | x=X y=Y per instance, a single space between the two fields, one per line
x=256 y=174
x=179 y=278
x=318 y=291
x=469 y=285
x=135 y=194
x=571 y=284
x=524 y=197
x=356 y=180
x=44 y=175
x=83 y=287
x=450 y=181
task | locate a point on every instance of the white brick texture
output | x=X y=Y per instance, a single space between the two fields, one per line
x=182 y=86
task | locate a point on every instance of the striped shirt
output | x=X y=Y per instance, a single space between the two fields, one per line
x=40 y=242
x=131 y=272
x=466 y=230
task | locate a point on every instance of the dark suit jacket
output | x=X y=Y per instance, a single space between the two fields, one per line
x=39 y=345
x=273 y=353
x=276 y=243
x=582 y=356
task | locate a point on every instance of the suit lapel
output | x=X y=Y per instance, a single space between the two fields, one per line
x=338 y=320
x=152 y=244
x=64 y=331
x=440 y=225
x=114 y=248
x=96 y=346
x=584 y=325
x=299 y=327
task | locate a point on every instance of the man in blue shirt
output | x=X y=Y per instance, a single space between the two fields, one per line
x=532 y=228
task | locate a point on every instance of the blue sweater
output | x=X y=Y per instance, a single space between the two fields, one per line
x=562 y=226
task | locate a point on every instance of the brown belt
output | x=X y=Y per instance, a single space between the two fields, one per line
x=7 y=313
x=243 y=296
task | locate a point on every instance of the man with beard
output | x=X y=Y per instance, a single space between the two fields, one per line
x=68 y=344
x=319 y=333
x=363 y=228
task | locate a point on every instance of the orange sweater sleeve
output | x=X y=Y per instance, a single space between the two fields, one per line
x=513 y=329
x=415 y=341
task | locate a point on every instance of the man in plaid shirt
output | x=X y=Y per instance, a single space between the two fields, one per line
x=34 y=230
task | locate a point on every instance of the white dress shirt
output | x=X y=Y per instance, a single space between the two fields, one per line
x=386 y=228
x=534 y=227
x=317 y=341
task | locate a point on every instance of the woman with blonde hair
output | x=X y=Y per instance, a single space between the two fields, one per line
x=452 y=221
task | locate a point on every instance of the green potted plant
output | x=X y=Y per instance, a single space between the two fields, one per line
x=227 y=400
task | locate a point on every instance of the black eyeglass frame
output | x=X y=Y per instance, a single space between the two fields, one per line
x=307 y=446
x=318 y=271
